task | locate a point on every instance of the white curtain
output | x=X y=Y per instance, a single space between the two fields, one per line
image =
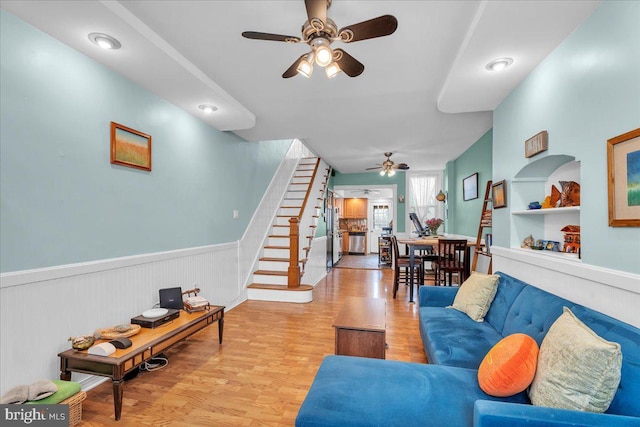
x=423 y=187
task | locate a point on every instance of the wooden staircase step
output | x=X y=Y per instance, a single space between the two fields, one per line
x=271 y=273
x=274 y=259
x=279 y=287
x=276 y=247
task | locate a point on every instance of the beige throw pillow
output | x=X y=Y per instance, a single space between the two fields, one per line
x=476 y=294
x=577 y=369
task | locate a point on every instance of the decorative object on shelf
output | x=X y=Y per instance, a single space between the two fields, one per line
x=82 y=342
x=571 y=239
x=552 y=200
x=623 y=165
x=528 y=242
x=534 y=205
x=119 y=331
x=433 y=224
x=470 y=187
x=130 y=147
x=441 y=196
x=539 y=245
x=551 y=245
x=570 y=195
x=536 y=144
x=499 y=194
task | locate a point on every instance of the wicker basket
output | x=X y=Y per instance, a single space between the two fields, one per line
x=75 y=407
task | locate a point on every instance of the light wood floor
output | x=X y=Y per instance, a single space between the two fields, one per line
x=261 y=373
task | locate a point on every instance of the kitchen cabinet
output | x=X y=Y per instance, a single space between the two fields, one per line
x=355 y=208
x=345 y=242
x=338 y=203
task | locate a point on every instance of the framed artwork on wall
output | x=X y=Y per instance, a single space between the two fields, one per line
x=130 y=147
x=623 y=171
x=499 y=194
x=470 y=187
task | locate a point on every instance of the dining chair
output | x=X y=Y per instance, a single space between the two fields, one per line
x=428 y=254
x=451 y=260
x=402 y=267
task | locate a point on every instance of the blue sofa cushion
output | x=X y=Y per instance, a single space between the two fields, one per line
x=508 y=290
x=354 y=391
x=533 y=312
x=451 y=338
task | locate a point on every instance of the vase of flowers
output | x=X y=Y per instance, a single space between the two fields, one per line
x=433 y=224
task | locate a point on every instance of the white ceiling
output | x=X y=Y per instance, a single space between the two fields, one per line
x=425 y=94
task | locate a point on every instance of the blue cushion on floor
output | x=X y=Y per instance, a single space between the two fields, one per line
x=354 y=391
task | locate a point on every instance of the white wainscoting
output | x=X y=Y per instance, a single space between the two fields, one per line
x=316 y=268
x=615 y=293
x=41 y=309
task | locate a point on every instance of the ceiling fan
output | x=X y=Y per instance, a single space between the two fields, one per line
x=319 y=31
x=388 y=166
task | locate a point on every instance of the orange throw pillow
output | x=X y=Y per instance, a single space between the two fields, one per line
x=509 y=367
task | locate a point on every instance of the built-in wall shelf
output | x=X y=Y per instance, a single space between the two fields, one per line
x=549 y=211
x=551 y=254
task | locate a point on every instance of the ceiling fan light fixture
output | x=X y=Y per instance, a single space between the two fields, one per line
x=332 y=70
x=383 y=172
x=499 y=64
x=391 y=172
x=105 y=41
x=305 y=68
x=324 y=54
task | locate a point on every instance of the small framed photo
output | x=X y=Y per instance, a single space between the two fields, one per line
x=499 y=194
x=623 y=164
x=470 y=187
x=130 y=147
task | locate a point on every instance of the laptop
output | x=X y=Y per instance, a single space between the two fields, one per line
x=171 y=298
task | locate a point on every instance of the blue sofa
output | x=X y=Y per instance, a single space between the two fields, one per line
x=352 y=391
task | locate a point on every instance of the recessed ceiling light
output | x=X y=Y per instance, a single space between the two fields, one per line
x=499 y=64
x=105 y=41
x=208 y=109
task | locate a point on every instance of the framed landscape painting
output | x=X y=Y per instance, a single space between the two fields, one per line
x=470 y=187
x=499 y=194
x=623 y=164
x=130 y=147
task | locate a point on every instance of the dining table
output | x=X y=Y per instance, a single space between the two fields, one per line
x=427 y=242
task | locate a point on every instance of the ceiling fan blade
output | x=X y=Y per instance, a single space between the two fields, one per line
x=271 y=37
x=293 y=70
x=402 y=166
x=370 y=169
x=376 y=27
x=347 y=63
x=316 y=9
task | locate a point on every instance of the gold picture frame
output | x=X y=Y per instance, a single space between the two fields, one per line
x=130 y=147
x=623 y=172
x=499 y=194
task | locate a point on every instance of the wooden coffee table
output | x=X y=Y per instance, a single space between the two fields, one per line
x=360 y=328
x=145 y=344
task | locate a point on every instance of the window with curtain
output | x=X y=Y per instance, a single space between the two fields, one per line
x=423 y=188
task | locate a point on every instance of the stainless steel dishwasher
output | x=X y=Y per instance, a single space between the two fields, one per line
x=356 y=243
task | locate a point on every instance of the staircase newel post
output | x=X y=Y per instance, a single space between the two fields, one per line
x=294 y=239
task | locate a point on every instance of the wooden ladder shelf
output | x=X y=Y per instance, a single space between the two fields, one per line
x=485 y=222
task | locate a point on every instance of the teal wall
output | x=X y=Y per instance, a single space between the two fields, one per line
x=585 y=92
x=464 y=217
x=61 y=199
x=399 y=179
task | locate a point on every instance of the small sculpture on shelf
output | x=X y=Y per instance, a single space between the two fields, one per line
x=528 y=242
x=571 y=239
x=570 y=195
x=551 y=201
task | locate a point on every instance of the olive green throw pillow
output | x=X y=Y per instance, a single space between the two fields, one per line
x=476 y=295
x=577 y=369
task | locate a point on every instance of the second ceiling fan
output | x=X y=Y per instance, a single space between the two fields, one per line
x=319 y=32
